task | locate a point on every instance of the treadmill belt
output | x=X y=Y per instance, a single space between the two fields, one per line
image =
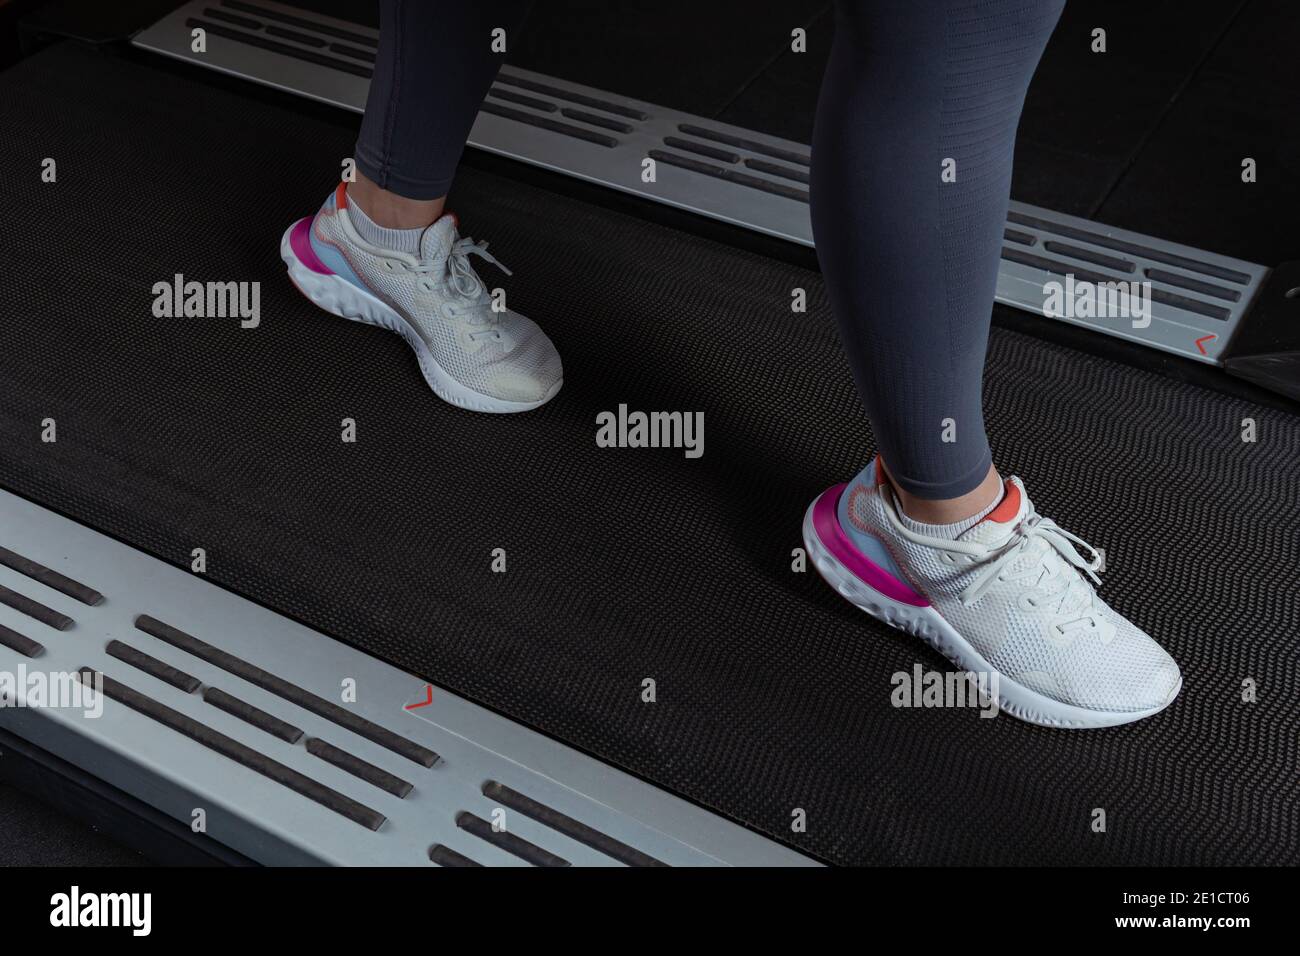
x=771 y=694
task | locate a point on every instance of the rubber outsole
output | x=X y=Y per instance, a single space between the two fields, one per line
x=926 y=623
x=340 y=297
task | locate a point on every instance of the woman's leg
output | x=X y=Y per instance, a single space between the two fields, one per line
x=383 y=250
x=435 y=64
x=911 y=179
x=910 y=184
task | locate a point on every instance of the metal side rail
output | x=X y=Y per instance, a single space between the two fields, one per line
x=759 y=182
x=292 y=748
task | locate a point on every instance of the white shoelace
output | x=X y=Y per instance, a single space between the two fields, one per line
x=460 y=274
x=1030 y=530
x=461 y=277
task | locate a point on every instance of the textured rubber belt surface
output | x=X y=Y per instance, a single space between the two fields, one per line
x=626 y=564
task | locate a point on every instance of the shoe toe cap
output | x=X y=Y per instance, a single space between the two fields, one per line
x=530 y=371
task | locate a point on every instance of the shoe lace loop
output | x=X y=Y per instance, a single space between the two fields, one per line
x=1031 y=529
x=460 y=273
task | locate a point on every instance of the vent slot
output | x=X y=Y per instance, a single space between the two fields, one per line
x=523 y=100
x=713 y=152
x=1157 y=295
x=352 y=52
x=296 y=37
x=18 y=642
x=592 y=119
x=1194 y=285
x=234 y=750
x=1087 y=255
x=445 y=856
x=730 y=175
x=275 y=46
x=305 y=24
x=749 y=145
x=763 y=166
x=595 y=103
x=1132 y=248
x=368 y=772
x=252 y=715
x=35 y=610
x=227 y=17
x=51 y=579
x=562 y=823
x=290 y=692
x=153 y=667
x=555 y=126
x=516 y=846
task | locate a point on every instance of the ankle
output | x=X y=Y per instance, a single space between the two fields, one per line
x=391 y=211
x=941 y=511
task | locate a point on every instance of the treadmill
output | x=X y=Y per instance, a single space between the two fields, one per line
x=469 y=641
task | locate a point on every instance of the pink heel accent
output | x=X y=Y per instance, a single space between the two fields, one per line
x=300 y=243
x=826 y=523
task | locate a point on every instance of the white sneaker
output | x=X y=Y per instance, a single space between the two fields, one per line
x=471 y=356
x=1010 y=597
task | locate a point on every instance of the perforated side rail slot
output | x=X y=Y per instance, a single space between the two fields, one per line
x=605 y=105
x=35 y=610
x=50 y=578
x=1063 y=269
x=368 y=772
x=275 y=46
x=445 y=856
x=570 y=827
x=229 y=747
x=269 y=12
x=730 y=175
x=153 y=667
x=290 y=692
x=252 y=715
x=18 y=642
x=515 y=845
x=1099 y=238
x=555 y=126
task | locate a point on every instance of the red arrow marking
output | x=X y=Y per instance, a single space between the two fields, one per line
x=1200 y=343
x=428 y=698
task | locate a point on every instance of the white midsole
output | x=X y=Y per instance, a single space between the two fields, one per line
x=926 y=623
x=336 y=295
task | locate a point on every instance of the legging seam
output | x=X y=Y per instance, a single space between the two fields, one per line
x=390 y=115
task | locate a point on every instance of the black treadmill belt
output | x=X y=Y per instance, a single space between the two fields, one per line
x=626 y=564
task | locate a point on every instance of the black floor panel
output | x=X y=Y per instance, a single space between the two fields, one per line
x=626 y=564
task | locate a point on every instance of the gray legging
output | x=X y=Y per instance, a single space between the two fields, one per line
x=910 y=182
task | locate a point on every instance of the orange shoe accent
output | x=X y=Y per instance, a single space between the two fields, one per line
x=1008 y=507
x=880 y=472
x=341 y=196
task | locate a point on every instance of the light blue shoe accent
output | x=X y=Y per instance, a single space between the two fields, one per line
x=868 y=544
x=335 y=262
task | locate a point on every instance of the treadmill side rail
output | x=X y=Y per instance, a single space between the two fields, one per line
x=279 y=778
